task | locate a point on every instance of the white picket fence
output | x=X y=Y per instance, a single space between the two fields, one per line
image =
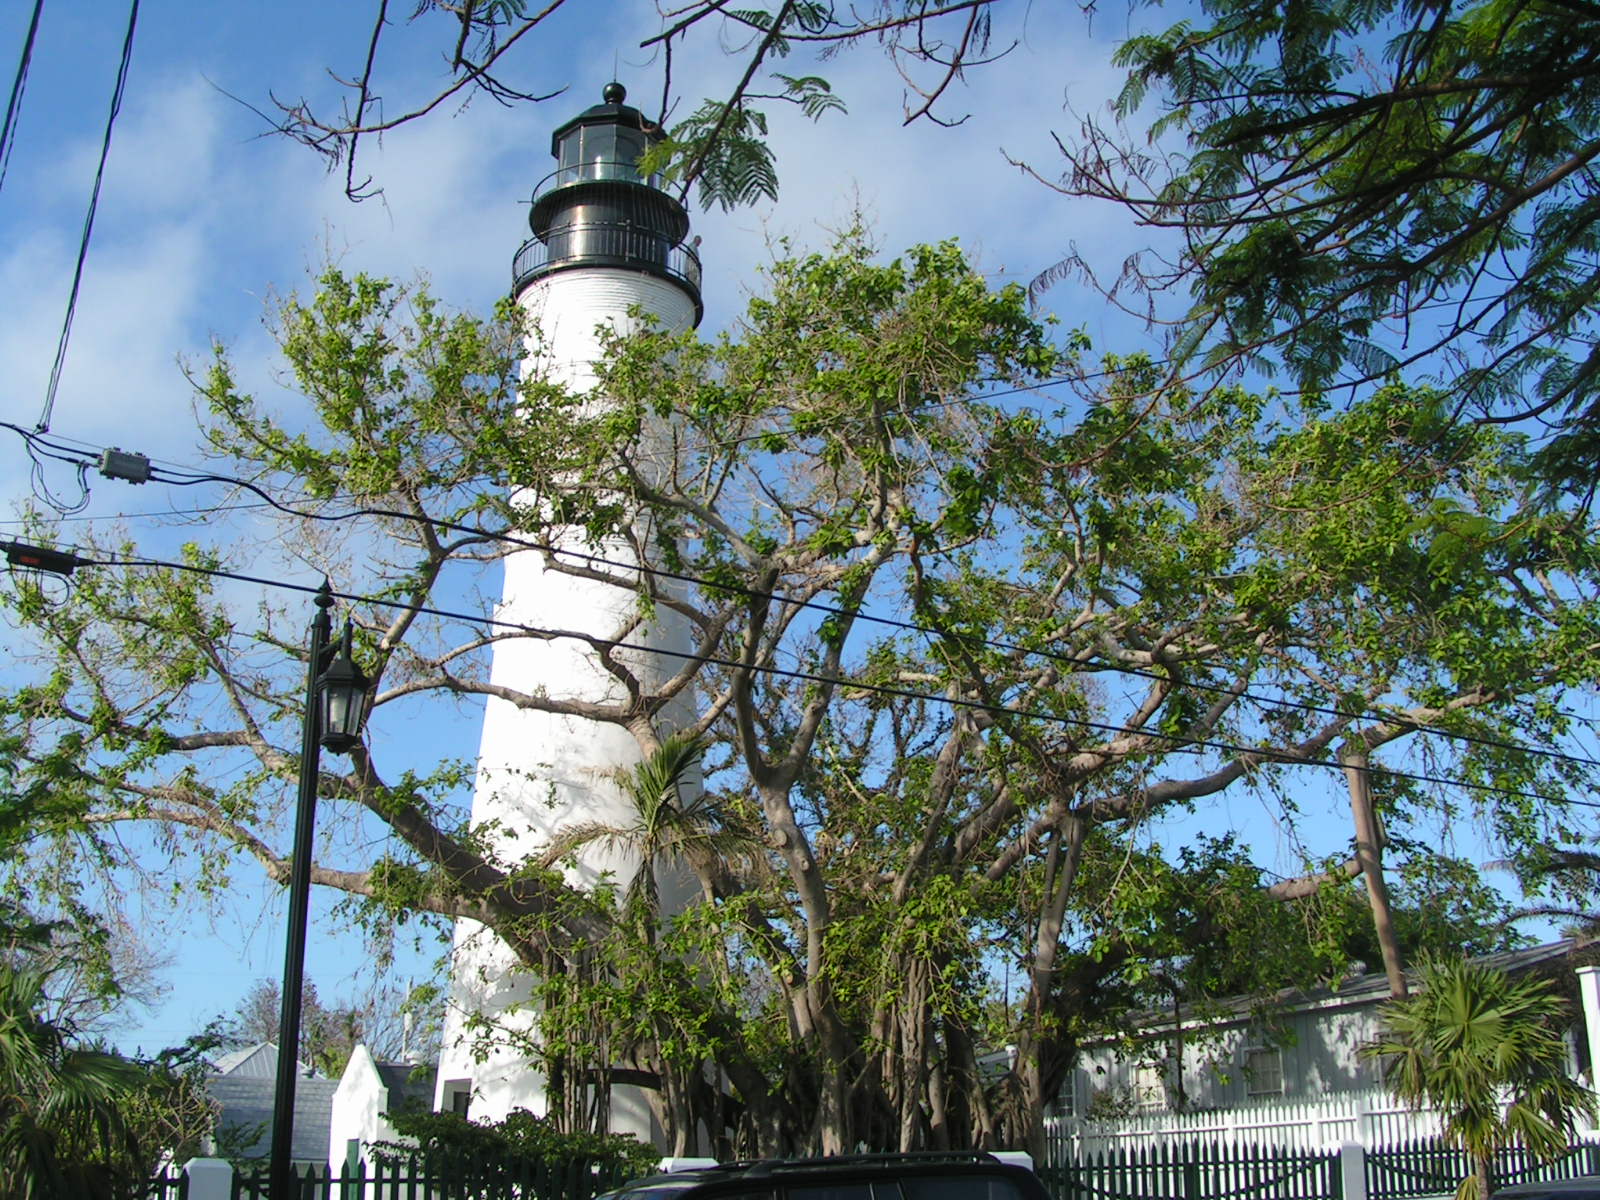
x=1369 y=1118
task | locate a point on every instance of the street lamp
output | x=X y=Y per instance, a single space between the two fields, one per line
x=336 y=697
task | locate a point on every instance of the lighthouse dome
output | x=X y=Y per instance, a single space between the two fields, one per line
x=598 y=209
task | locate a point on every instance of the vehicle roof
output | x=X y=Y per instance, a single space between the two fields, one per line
x=837 y=1167
x=847 y=1162
x=1540 y=1187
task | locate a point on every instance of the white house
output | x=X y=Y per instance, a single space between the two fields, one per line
x=1288 y=1072
x=367 y=1093
x=243 y=1084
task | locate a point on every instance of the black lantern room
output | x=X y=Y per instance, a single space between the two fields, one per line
x=597 y=210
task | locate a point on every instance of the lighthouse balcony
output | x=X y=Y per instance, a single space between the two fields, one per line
x=588 y=195
x=595 y=171
x=606 y=244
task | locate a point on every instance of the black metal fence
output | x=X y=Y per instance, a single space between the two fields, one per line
x=443 y=1177
x=171 y=1183
x=1424 y=1169
x=1427 y=1167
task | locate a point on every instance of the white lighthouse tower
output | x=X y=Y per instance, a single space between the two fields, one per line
x=608 y=242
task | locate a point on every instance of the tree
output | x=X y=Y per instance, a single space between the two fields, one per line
x=62 y=1129
x=481 y=45
x=1365 y=189
x=965 y=818
x=170 y=1114
x=472 y=1147
x=328 y=1035
x=667 y=830
x=722 y=145
x=1487 y=1052
x=1376 y=188
x=80 y=1117
x=671 y=837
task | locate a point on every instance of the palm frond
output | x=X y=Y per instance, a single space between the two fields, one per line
x=1485 y=1050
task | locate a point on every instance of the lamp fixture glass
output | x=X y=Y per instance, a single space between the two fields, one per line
x=341 y=701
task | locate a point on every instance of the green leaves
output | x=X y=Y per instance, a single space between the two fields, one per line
x=813 y=94
x=1487 y=1052
x=862 y=366
x=63 y=1130
x=470 y=1147
x=1368 y=186
x=420 y=401
x=923 y=836
x=722 y=146
x=724 y=150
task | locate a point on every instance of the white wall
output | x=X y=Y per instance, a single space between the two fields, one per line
x=1319 y=1050
x=541 y=772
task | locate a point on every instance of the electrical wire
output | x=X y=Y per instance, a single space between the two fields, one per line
x=183 y=478
x=88 y=220
x=209 y=510
x=8 y=131
x=1179 y=742
x=41 y=488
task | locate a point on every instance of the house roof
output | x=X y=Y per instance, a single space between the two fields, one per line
x=407 y=1082
x=260 y=1060
x=1373 y=987
x=1356 y=991
x=246 y=1103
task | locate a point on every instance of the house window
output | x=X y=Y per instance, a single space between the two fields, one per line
x=1149 y=1089
x=1067 y=1098
x=1263 y=1071
x=457 y=1096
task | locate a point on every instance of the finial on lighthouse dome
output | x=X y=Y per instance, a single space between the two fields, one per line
x=598 y=209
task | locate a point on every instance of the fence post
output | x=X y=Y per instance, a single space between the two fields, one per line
x=209 y=1179
x=1366 y=1128
x=1353 y=1170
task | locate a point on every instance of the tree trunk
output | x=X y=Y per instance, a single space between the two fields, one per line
x=1480 y=1170
x=938 y=1111
x=1061 y=873
x=1369 y=853
x=832 y=1131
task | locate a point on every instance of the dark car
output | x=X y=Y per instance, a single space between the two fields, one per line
x=1583 y=1187
x=932 y=1176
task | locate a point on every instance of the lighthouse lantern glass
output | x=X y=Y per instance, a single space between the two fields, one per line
x=607 y=151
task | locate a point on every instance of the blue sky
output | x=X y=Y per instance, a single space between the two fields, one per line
x=204 y=216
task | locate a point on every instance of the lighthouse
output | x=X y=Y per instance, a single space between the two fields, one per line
x=607 y=252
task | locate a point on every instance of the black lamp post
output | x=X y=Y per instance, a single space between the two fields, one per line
x=336 y=695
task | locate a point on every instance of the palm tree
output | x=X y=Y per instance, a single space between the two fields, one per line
x=665 y=827
x=669 y=826
x=62 y=1131
x=1486 y=1052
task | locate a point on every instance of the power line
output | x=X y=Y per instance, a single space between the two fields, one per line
x=1179 y=742
x=184 y=478
x=88 y=220
x=8 y=131
x=209 y=510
